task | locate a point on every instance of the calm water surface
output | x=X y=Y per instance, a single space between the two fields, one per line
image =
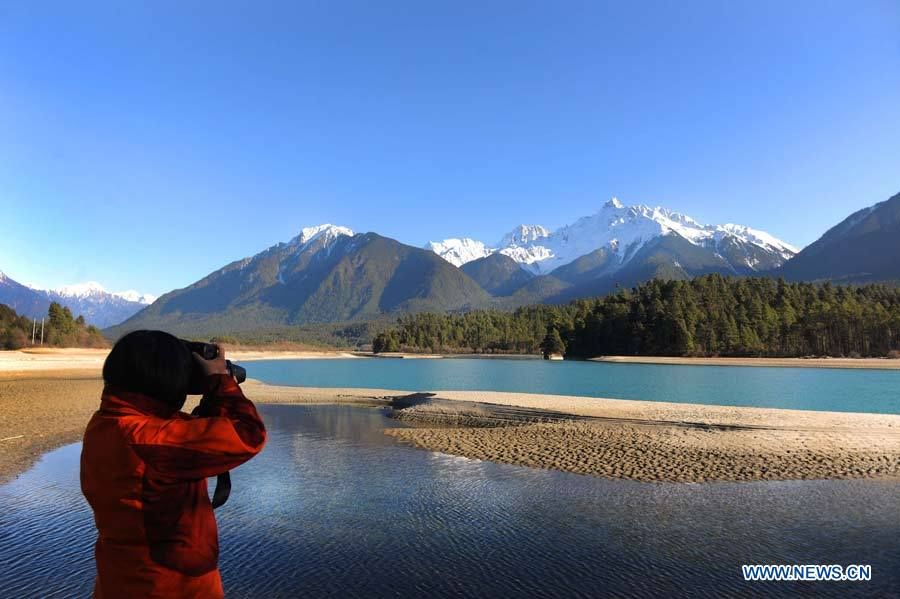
x=841 y=390
x=333 y=507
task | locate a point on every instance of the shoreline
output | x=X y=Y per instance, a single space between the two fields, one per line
x=15 y=362
x=637 y=440
x=848 y=363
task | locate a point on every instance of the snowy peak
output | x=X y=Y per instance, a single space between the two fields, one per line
x=136 y=296
x=326 y=232
x=758 y=238
x=623 y=230
x=459 y=251
x=523 y=235
x=80 y=290
x=92 y=290
x=311 y=240
x=90 y=300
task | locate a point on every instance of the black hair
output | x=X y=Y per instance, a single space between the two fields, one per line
x=153 y=363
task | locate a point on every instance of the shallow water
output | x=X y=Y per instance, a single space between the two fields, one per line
x=333 y=507
x=831 y=389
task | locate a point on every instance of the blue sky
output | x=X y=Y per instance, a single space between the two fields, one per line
x=145 y=146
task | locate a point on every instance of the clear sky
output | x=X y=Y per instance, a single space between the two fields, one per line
x=145 y=144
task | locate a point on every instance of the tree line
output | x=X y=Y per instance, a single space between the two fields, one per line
x=711 y=315
x=61 y=329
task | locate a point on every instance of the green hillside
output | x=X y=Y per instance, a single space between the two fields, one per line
x=358 y=278
x=864 y=247
x=497 y=274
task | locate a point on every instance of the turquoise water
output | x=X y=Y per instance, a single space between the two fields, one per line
x=840 y=390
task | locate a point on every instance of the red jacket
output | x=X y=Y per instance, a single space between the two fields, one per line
x=143 y=470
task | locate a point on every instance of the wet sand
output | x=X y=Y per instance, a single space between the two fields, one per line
x=43 y=407
x=41 y=412
x=653 y=443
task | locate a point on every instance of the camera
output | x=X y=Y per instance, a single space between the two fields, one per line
x=208 y=351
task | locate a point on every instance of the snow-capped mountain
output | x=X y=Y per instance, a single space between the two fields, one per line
x=325 y=233
x=523 y=235
x=96 y=291
x=136 y=296
x=324 y=274
x=459 y=251
x=312 y=242
x=98 y=306
x=623 y=231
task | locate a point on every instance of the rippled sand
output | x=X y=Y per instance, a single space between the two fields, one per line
x=41 y=411
x=656 y=441
x=648 y=452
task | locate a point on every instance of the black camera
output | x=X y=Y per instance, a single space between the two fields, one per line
x=208 y=351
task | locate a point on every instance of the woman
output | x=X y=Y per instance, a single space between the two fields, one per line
x=144 y=466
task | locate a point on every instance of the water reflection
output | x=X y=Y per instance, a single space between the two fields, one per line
x=333 y=507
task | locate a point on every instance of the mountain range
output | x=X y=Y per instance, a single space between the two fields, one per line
x=622 y=231
x=618 y=246
x=330 y=274
x=98 y=306
x=325 y=274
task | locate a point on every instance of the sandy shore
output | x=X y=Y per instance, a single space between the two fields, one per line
x=67 y=359
x=867 y=363
x=13 y=363
x=42 y=407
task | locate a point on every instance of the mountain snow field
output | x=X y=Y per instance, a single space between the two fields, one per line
x=622 y=229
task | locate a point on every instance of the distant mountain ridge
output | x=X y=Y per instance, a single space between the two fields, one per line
x=23 y=299
x=619 y=246
x=92 y=289
x=98 y=306
x=622 y=231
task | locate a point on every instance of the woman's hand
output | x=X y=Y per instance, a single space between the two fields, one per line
x=215 y=366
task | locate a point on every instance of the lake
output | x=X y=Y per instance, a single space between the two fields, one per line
x=830 y=389
x=333 y=507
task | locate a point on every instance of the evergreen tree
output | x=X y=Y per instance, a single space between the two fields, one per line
x=553 y=343
x=708 y=316
x=61 y=329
